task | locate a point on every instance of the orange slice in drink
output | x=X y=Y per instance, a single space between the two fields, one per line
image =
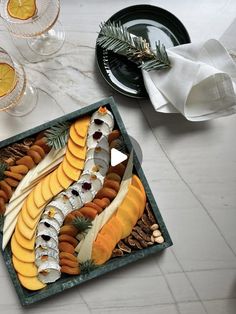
x=7 y=79
x=21 y=9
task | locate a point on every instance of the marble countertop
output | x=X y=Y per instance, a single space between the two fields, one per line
x=191 y=168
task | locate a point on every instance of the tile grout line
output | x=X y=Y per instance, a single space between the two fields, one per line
x=188 y=186
x=203 y=306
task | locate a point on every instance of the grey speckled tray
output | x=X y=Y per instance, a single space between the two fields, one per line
x=28 y=297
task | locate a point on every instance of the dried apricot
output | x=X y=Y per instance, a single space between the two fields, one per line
x=2 y=206
x=70 y=270
x=12 y=182
x=67 y=262
x=3 y=195
x=106 y=192
x=13 y=175
x=112 y=184
x=69 y=229
x=69 y=239
x=21 y=169
x=66 y=247
x=65 y=255
x=113 y=135
x=119 y=169
x=39 y=150
x=98 y=208
x=36 y=156
x=26 y=161
x=113 y=176
x=88 y=212
x=6 y=188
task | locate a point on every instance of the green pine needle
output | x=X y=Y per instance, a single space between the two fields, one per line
x=1 y=222
x=3 y=167
x=57 y=136
x=116 y=38
x=82 y=224
x=87 y=266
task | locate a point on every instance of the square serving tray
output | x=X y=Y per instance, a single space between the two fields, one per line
x=28 y=297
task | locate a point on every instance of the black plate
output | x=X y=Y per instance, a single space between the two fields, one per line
x=153 y=24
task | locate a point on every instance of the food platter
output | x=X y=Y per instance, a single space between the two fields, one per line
x=121 y=231
x=150 y=22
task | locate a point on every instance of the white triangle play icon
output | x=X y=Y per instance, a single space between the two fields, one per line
x=117 y=157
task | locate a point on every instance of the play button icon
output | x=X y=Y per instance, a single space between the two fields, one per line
x=117 y=157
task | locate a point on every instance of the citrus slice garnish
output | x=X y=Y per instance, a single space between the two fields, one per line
x=21 y=9
x=7 y=79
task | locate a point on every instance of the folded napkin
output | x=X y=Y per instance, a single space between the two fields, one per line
x=201 y=83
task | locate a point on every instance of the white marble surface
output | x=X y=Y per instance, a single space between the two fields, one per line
x=191 y=168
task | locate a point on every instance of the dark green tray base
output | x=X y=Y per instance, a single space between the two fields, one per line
x=28 y=297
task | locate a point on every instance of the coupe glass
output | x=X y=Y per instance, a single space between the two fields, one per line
x=20 y=98
x=44 y=33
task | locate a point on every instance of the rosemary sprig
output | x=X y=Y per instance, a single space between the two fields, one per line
x=57 y=135
x=87 y=266
x=116 y=38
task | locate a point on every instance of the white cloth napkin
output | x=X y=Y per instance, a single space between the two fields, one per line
x=201 y=83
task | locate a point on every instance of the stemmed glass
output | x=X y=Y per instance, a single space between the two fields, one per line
x=36 y=20
x=17 y=96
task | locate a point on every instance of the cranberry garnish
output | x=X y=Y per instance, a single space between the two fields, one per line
x=98 y=121
x=46 y=224
x=97 y=135
x=75 y=193
x=46 y=237
x=86 y=186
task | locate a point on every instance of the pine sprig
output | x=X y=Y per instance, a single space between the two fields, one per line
x=83 y=224
x=3 y=167
x=87 y=266
x=116 y=38
x=57 y=136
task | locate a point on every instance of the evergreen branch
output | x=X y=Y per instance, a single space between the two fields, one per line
x=116 y=38
x=57 y=136
x=83 y=224
x=87 y=266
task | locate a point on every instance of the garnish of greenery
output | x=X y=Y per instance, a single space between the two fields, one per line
x=87 y=266
x=1 y=222
x=3 y=167
x=57 y=136
x=83 y=224
x=116 y=38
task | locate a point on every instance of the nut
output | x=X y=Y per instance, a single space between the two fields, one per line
x=154 y=227
x=152 y=239
x=159 y=239
x=156 y=233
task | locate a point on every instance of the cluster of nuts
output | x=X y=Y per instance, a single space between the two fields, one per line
x=156 y=234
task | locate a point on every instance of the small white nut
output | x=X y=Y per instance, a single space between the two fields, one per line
x=159 y=240
x=156 y=233
x=152 y=239
x=154 y=227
